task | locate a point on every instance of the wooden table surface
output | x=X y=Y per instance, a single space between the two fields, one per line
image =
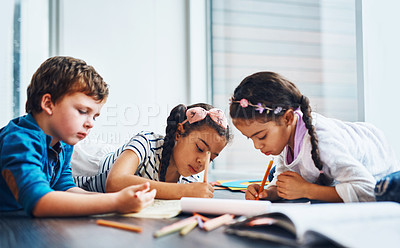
x=19 y=230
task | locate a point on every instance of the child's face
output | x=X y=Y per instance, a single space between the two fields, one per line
x=189 y=153
x=270 y=138
x=72 y=117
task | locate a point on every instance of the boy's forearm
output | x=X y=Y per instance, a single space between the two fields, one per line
x=61 y=203
x=80 y=191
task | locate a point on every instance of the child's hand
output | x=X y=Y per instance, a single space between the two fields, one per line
x=252 y=192
x=203 y=190
x=134 y=198
x=291 y=185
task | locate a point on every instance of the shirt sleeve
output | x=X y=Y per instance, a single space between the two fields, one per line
x=65 y=180
x=22 y=160
x=140 y=145
x=353 y=182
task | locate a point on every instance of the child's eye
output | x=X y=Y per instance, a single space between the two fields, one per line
x=262 y=137
x=198 y=148
x=83 y=112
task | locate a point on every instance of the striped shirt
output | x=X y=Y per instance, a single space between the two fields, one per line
x=148 y=148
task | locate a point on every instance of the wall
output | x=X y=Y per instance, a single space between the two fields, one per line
x=139 y=47
x=381 y=38
x=6 y=38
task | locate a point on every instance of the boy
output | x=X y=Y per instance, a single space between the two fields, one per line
x=64 y=98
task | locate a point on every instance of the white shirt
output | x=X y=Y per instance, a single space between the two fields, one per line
x=355 y=155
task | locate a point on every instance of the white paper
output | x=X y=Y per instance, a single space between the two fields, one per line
x=160 y=209
x=224 y=206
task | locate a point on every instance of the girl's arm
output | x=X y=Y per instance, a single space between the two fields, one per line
x=291 y=185
x=322 y=193
x=63 y=203
x=122 y=175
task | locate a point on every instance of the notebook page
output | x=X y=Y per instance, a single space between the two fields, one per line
x=347 y=223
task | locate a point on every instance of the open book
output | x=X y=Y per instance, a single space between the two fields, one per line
x=374 y=224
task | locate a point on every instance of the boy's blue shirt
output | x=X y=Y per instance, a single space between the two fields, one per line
x=32 y=166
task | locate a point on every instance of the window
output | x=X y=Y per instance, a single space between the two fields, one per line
x=24 y=42
x=310 y=42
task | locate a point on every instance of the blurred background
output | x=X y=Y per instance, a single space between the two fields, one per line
x=155 y=54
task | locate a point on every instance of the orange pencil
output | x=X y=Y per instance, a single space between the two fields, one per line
x=264 y=179
x=203 y=218
x=119 y=225
x=206 y=166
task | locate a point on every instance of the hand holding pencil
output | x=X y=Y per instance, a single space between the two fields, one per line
x=254 y=190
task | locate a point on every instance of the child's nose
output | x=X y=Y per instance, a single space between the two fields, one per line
x=258 y=145
x=89 y=123
x=202 y=160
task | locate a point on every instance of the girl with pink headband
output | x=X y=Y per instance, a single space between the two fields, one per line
x=172 y=164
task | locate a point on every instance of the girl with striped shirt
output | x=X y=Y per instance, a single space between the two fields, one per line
x=170 y=163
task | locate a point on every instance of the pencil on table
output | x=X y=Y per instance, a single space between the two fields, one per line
x=218 y=221
x=203 y=218
x=188 y=228
x=200 y=222
x=119 y=225
x=177 y=226
x=264 y=179
x=207 y=165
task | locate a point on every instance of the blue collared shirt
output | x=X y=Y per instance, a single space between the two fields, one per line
x=29 y=166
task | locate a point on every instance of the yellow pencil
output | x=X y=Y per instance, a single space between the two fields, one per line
x=188 y=228
x=119 y=225
x=177 y=226
x=206 y=166
x=264 y=179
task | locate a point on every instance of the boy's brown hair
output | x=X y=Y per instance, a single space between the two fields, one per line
x=60 y=76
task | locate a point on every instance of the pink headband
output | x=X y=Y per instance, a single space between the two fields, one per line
x=197 y=114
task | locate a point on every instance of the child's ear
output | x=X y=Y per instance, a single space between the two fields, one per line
x=46 y=104
x=288 y=117
x=179 y=131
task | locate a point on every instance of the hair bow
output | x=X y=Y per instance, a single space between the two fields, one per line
x=197 y=114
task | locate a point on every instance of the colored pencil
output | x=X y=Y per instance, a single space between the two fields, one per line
x=203 y=218
x=119 y=225
x=264 y=179
x=206 y=166
x=200 y=222
x=188 y=228
x=218 y=221
x=177 y=226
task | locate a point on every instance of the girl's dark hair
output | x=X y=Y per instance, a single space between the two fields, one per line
x=274 y=91
x=178 y=115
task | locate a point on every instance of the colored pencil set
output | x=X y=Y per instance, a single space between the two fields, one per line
x=186 y=225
